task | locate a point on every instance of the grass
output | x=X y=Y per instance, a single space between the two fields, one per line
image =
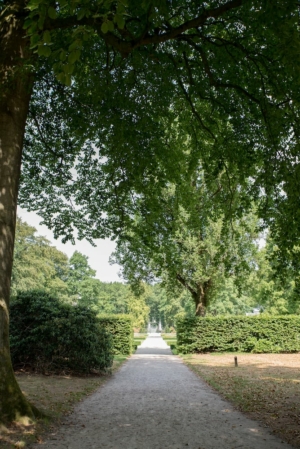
x=56 y=397
x=137 y=340
x=171 y=340
x=265 y=386
x=169 y=336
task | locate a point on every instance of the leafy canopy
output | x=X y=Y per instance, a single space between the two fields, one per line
x=225 y=71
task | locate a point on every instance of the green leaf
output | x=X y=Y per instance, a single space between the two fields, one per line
x=47 y=51
x=74 y=56
x=33 y=4
x=44 y=50
x=47 y=37
x=61 y=77
x=41 y=22
x=120 y=9
x=68 y=79
x=110 y=25
x=52 y=12
x=74 y=46
x=34 y=41
x=69 y=68
x=104 y=27
x=27 y=23
x=63 y=55
x=120 y=21
x=32 y=29
x=81 y=14
x=56 y=67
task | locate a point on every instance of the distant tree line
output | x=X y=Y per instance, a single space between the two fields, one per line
x=39 y=265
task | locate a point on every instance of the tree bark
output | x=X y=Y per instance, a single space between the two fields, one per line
x=201 y=297
x=15 y=89
x=200 y=309
x=200 y=294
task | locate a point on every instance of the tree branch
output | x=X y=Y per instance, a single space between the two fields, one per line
x=124 y=46
x=186 y=285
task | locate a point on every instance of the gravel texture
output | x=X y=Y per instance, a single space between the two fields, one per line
x=155 y=402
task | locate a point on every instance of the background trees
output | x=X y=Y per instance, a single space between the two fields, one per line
x=184 y=240
x=222 y=77
x=37 y=264
x=40 y=266
x=83 y=288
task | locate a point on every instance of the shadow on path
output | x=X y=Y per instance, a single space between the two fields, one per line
x=155 y=402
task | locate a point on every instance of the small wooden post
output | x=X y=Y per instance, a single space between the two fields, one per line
x=235 y=361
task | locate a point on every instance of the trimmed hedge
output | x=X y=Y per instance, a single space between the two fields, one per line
x=256 y=334
x=47 y=335
x=120 y=327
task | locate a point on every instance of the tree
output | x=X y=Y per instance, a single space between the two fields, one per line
x=195 y=61
x=118 y=298
x=275 y=292
x=166 y=306
x=83 y=288
x=231 y=301
x=186 y=243
x=37 y=264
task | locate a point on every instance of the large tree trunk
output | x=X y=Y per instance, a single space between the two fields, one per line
x=201 y=297
x=15 y=89
x=200 y=294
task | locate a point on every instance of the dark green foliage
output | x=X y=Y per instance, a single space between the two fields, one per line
x=50 y=336
x=196 y=81
x=120 y=327
x=246 y=334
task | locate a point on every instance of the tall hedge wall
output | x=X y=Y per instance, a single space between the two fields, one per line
x=49 y=336
x=247 y=334
x=120 y=327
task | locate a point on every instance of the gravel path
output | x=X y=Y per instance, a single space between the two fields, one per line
x=155 y=402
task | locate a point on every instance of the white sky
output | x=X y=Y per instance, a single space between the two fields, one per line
x=98 y=256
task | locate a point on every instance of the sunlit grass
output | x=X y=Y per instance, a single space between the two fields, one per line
x=266 y=386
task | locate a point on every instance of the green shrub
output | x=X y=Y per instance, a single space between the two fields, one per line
x=246 y=334
x=264 y=345
x=50 y=336
x=120 y=327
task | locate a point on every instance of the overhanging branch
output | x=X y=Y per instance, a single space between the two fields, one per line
x=127 y=46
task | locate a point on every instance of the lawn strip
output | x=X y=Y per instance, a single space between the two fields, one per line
x=53 y=395
x=265 y=386
x=171 y=340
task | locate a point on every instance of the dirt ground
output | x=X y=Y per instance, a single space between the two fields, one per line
x=55 y=396
x=265 y=386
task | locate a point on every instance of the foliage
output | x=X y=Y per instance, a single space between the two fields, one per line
x=50 y=336
x=248 y=334
x=37 y=264
x=118 y=298
x=186 y=242
x=230 y=301
x=164 y=307
x=83 y=288
x=219 y=71
x=120 y=328
x=277 y=293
